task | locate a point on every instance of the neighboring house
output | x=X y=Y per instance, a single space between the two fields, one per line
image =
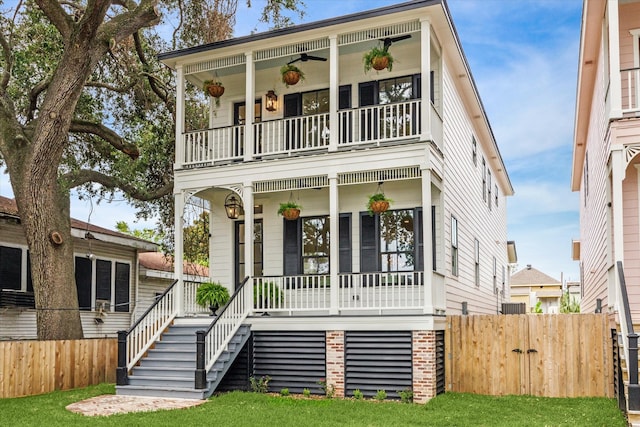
x=606 y=167
x=338 y=293
x=575 y=291
x=106 y=275
x=531 y=286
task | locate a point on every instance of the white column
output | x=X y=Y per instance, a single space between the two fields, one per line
x=334 y=241
x=250 y=88
x=617 y=172
x=427 y=250
x=247 y=201
x=615 y=85
x=178 y=255
x=334 y=92
x=179 y=117
x=425 y=72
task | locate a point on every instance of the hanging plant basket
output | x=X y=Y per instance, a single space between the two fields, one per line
x=291 y=74
x=214 y=89
x=379 y=206
x=291 y=214
x=379 y=63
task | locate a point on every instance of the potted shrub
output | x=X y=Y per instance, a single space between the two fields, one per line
x=289 y=210
x=378 y=203
x=214 y=88
x=267 y=295
x=377 y=58
x=291 y=74
x=212 y=295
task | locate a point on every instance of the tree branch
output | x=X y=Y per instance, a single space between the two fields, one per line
x=85 y=176
x=8 y=62
x=160 y=92
x=80 y=126
x=33 y=96
x=119 y=89
x=125 y=24
x=57 y=16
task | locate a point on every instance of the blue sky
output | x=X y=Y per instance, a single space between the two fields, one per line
x=523 y=55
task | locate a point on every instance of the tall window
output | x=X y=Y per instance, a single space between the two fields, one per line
x=395 y=90
x=241 y=269
x=315 y=245
x=454 y=246
x=474 y=150
x=476 y=252
x=107 y=280
x=489 y=198
x=315 y=102
x=484 y=180
x=397 y=237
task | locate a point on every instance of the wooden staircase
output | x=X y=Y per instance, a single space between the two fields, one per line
x=168 y=369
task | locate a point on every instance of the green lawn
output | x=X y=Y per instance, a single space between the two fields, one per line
x=258 y=410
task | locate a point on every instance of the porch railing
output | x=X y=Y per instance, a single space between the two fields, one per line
x=135 y=342
x=292 y=134
x=357 y=291
x=190 y=305
x=629 y=340
x=211 y=145
x=382 y=290
x=630 y=79
x=379 y=123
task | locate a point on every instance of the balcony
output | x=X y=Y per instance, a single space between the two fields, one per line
x=372 y=125
x=630 y=79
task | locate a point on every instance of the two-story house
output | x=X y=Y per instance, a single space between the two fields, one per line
x=338 y=294
x=606 y=166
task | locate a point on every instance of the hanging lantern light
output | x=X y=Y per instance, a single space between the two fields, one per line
x=233 y=206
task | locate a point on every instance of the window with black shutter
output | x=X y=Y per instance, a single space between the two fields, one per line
x=84 y=272
x=103 y=280
x=369 y=242
x=345 y=243
x=10 y=268
x=292 y=241
x=122 y=286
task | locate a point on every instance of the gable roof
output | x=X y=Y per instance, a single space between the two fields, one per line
x=79 y=229
x=531 y=276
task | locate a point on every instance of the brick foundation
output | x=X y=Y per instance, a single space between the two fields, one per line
x=335 y=362
x=424 y=366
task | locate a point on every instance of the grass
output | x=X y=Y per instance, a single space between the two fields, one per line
x=250 y=409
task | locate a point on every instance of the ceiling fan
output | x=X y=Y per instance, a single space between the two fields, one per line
x=388 y=41
x=305 y=57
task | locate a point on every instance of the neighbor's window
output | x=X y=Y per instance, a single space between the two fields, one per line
x=474 y=150
x=484 y=180
x=454 y=246
x=496 y=194
x=315 y=245
x=489 y=198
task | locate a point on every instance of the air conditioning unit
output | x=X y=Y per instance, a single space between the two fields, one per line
x=103 y=305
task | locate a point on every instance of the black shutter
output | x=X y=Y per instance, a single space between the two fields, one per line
x=83 y=282
x=432 y=95
x=292 y=241
x=345 y=264
x=433 y=238
x=292 y=105
x=122 y=286
x=417 y=86
x=367 y=93
x=344 y=97
x=103 y=280
x=369 y=242
x=10 y=268
x=419 y=236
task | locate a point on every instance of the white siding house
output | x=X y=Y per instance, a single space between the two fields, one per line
x=417 y=132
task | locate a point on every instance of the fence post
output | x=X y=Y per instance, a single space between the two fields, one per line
x=201 y=374
x=122 y=374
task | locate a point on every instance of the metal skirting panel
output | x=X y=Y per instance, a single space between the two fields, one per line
x=237 y=378
x=440 y=355
x=293 y=359
x=378 y=361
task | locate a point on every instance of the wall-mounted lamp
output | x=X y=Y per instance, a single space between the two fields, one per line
x=232 y=206
x=271 y=100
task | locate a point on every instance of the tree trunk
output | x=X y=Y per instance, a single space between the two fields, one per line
x=44 y=211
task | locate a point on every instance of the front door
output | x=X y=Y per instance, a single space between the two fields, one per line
x=240 y=266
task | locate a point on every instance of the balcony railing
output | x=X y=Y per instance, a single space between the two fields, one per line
x=377 y=124
x=630 y=90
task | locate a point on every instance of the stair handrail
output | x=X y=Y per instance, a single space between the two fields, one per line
x=629 y=341
x=211 y=342
x=134 y=342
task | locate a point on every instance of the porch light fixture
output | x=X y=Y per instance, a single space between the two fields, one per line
x=271 y=100
x=232 y=206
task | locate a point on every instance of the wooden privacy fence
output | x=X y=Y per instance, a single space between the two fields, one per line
x=35 y=367
x=555 y=355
